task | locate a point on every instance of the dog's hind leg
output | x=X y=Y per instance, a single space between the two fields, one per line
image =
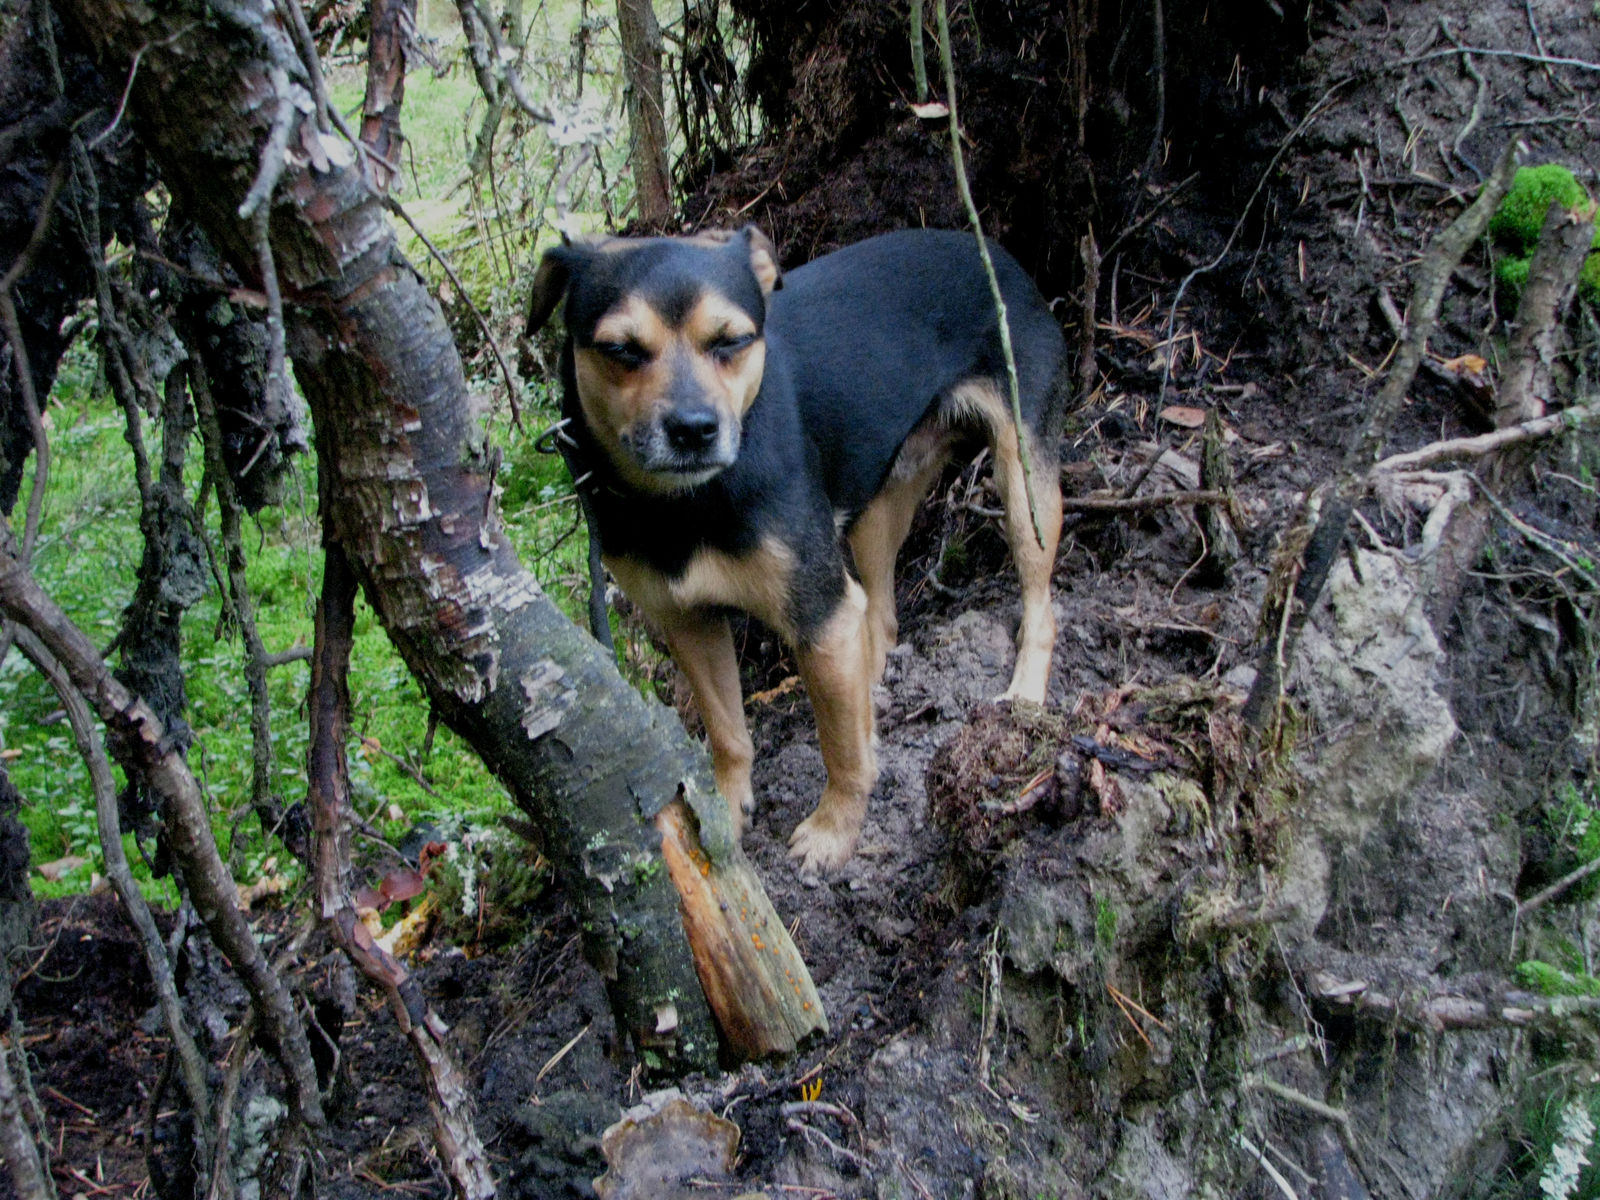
x=878 y=533
x=702 y=647
x=1036 y=637
x=836 y=666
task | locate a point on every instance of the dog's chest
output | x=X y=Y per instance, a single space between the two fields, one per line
x=757 y=581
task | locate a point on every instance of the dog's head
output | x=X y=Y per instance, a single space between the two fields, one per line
x=667 y=346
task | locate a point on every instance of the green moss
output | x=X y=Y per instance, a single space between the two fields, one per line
x=1516 y=224
x=1550 y=980
x=1105 y=923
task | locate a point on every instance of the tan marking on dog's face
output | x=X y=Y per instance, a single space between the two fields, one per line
x=638 y=370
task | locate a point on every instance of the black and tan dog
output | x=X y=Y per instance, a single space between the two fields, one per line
x=733 y=424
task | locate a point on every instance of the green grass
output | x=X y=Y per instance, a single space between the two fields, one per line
x=86 y=559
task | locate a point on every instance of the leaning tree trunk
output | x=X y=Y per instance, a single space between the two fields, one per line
x=405 y=477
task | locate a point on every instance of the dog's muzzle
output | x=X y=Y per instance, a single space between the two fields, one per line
x=686 y=445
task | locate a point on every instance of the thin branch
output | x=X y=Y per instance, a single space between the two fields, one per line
x=1238 y=226
x=1092 y=504
x=140 y=740
x=230 y=515
x=191 y=1061
x=496 y=53
x=456 y=1137
x=394 y=206
x=1552 y=60
x=1484 y=444
x=946 y=60
x=1540 y=898
x=274 y=153
x=1437 y=1011
x=21 y=365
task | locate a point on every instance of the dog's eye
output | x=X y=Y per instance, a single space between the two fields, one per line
x=724 y=348
x=624 y=354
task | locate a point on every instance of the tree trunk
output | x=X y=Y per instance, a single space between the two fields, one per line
x=405 y=475
x=647 y=148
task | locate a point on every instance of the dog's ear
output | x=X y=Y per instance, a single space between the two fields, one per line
x=763 y=259
x=550 y=281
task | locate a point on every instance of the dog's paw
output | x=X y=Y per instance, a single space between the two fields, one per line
x=820 y=846
x=1031 y=695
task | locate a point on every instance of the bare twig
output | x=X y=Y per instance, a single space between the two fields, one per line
x=230 y=513
x=1552 y=60
x=1540 y=898
x=191 y=1061
x=1273 y=1173
x=1284 y=1092
x=1484 y=444
x=394 y=206
x=460 y=1149
x=965 y=190
x=273 y=154
x=1091 y=504
x=20 y=364
x=141 y=741
x=1238 y=226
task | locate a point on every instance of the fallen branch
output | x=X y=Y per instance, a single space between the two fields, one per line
x=1555 y=889
x=191 y=1061
x=1142 y=503
x=141 y=743
x=1573 y=417
x=1448 y=1010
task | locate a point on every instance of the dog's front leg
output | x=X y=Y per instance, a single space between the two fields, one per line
x=702 y=647
x=836 y=665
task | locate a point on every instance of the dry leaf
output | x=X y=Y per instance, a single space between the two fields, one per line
x=771 y=694
x=54 y=870
x=261 y=889
x=656 y=1156
x=406 y=934
x=1184 y=415
x=1466 y=365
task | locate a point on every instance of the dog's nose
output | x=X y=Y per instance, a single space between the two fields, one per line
x=691 y=428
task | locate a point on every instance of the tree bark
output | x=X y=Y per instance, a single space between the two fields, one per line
x=647 y=147
x=405 y=477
